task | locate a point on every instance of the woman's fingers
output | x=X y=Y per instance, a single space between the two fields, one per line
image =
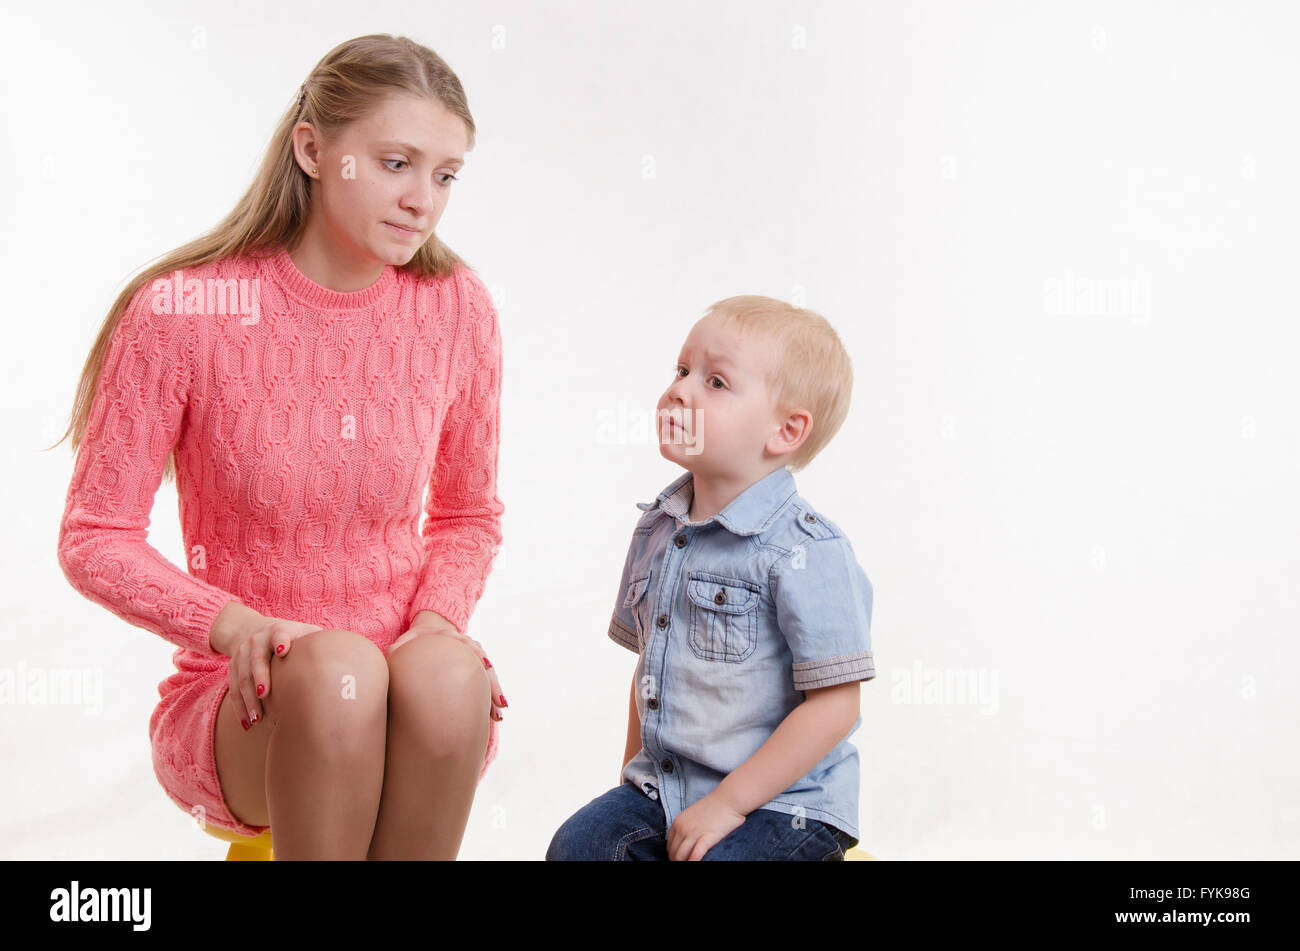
x=244 y=676
x=233 y=682
x=496 y=708
x=250 y=664
x=260 y=668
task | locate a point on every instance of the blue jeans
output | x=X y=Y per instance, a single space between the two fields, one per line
x=626 y=825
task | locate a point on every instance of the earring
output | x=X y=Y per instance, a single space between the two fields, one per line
x=315 y=170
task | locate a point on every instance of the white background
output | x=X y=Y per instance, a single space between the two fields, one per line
x=1087 y=504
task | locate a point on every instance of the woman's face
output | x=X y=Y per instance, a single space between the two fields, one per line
x=385 y=180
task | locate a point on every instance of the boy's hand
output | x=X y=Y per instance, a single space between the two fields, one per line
x=700 y=827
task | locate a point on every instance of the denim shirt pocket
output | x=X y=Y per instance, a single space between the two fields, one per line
x=635 y=602
x=724 y=616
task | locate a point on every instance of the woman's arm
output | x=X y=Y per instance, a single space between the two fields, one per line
x=462 y=526
x=135 y=420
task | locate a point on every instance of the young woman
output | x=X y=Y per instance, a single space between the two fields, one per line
x=305 y=371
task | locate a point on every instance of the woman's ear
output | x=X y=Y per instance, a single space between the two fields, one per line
x=306 y=147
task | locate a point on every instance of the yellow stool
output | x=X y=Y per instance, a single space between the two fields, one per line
x=856 y=854
x=242 y=847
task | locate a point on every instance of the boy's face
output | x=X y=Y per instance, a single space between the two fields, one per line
x=716 y=418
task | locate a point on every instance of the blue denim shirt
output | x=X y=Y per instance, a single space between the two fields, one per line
x=734 y=617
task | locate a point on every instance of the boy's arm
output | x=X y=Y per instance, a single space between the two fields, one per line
x=633 y=729
x=808 y=733
x=823 y=604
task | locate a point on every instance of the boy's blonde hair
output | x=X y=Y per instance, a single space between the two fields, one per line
x=812 y=369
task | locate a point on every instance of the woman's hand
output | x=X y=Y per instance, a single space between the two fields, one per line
x=249 y=639
x=428 y=622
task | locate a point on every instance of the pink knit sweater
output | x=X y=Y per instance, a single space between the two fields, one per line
x=306 y=428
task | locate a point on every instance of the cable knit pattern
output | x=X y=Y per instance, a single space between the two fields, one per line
x=306 y=426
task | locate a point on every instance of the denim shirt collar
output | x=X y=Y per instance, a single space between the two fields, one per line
x=750 y=512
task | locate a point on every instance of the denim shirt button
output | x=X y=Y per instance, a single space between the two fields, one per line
x=810 y=517
x=667 y=765
x=663 y=620
x=653 y=703
x=720 y=598
x=681 y=541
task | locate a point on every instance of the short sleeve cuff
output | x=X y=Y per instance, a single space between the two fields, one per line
x=843 y=669
x=622 y=634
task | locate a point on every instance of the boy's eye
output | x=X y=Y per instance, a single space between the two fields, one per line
x=680 y=368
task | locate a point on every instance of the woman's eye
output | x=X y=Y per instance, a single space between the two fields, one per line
x=444 y=178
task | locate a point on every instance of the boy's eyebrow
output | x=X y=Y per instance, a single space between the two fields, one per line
x=418 y=153
x=717 y=358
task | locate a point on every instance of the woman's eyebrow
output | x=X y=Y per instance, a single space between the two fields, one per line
x=418 y=153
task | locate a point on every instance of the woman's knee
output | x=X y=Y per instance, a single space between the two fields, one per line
x=332 y=677
x=439 y=682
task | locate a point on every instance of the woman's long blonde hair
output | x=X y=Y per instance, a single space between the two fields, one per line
x=345 y=85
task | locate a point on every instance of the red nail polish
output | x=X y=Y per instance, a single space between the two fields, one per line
x=279 y=648
x=502 y=698
x=260 y=690
x=486 y=662
x=244 y=723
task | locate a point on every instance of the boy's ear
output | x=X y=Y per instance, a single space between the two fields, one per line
x=793 y=432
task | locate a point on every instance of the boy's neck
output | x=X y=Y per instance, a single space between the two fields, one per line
x=711 y=494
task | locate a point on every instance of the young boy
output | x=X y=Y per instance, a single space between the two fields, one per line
x=747 y=608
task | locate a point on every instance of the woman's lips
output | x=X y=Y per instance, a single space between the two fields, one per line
x=404 y=232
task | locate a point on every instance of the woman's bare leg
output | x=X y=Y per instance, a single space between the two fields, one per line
x=315 y=773
x=439 y=701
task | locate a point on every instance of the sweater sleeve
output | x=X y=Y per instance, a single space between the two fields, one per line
x=135 y=419
x=462 y=526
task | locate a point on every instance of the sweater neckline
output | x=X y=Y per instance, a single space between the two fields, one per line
x=304 y=289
